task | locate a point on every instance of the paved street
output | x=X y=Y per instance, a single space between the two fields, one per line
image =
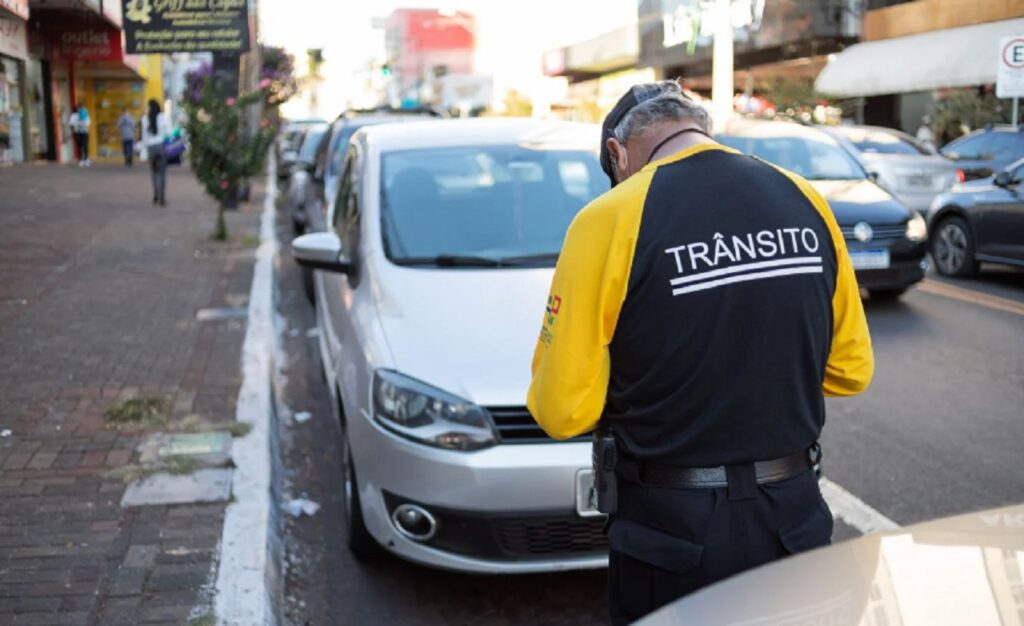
x=938 y=433
x=99 y=294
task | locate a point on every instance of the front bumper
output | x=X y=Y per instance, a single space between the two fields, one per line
x=907 y=265
x=506 y=509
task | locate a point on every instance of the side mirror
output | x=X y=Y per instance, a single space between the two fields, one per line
x=321 y=251
x=873 y=175
x=289 y=157
x=1003 y=179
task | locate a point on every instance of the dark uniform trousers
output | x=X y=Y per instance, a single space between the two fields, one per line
x=666 y=543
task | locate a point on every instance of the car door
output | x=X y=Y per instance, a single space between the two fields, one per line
x=335 y=291
x=999 y=223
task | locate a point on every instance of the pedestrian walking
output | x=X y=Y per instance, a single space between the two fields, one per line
x=925 y=135
x=79 y=123
x=155 y=128
x=699 y=312
x=126 y=124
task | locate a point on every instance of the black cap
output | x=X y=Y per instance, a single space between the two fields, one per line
x=636 y=95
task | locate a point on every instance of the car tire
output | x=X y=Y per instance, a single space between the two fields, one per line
x=952 y=247
x=359 y=540
x=297 y=226
x=887 y=295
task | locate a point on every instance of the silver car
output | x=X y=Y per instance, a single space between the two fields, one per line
x=912 y=172
x=433 y=277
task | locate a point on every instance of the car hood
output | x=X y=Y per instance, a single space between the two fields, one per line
x=855 y=201
x=470 y=332
x=958 y=570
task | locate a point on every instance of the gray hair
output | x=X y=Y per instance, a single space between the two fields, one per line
x=659 y=102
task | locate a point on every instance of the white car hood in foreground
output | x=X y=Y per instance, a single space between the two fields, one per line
x=470 y=332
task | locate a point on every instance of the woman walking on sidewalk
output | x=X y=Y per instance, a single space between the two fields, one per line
x=155 y=127
x=79 y=122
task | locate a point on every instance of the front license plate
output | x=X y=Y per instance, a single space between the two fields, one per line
x=870 y=259
x=586 y=495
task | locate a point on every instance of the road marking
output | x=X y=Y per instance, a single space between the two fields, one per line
x=242 y=596
x=853 y=510
x=971 y=296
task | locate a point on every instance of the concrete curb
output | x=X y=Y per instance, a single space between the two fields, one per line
x=249 y=561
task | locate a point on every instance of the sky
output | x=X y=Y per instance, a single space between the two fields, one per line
x=512 y=35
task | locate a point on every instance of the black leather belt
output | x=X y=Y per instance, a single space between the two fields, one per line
x=675 y=477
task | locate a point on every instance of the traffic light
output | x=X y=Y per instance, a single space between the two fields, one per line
x=385 y=70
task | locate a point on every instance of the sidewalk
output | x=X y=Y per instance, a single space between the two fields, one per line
x=99 y=294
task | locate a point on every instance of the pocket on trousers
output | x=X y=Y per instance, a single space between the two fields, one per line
x=813 y=532
x=654 y=567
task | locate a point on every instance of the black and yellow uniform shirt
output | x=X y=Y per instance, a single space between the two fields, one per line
x=702 y=308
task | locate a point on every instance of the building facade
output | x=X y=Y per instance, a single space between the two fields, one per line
x=15 y=142
x=423 y=46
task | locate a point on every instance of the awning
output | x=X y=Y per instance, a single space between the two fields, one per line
x=954 y=57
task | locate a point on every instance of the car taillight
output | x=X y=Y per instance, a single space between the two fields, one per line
x=960 y=176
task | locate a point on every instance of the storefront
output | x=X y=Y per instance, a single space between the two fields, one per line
x=13 y=54
x=773 y=40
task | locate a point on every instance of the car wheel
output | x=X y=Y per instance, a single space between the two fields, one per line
x=297 y=226
x=953 y=248
x=886 y=295
x=360 y=542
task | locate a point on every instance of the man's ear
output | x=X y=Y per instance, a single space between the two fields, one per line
x=617 y=152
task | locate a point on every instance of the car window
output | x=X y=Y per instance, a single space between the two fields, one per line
x=310 y=144
x=344 y=192
x=1006 y=146
x=974 y=147
x=879 y=142
x=347 y=212
x=337 y=150
x=490 y=201
x=811 y=158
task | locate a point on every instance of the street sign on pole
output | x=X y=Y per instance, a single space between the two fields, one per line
x=1010 y=77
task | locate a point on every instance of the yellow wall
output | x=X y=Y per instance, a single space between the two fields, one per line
x=924 y=16
x=107 y=97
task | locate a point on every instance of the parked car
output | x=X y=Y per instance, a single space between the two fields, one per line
x=886 y=240
x=984 y=152
x=300 y=173
x=958 y=570
x=318 y=189
x=436 y=263
x=980 y=220
x=913 y=172
x=288 y=139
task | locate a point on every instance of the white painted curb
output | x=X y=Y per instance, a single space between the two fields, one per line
x=242 y=596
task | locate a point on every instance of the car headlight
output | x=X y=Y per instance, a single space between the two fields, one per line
x=417 y=411
x=917 y=228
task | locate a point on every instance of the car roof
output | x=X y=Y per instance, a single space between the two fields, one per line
x=379 y=118
x=442 y=133
x=747 y=127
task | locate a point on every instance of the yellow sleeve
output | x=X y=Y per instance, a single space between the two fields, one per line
x=571 y=363
x=851 y=361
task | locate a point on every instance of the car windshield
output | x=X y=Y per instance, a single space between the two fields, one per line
x=483 y=206
x=811 y=158
x=878 y=142
x=310 y=144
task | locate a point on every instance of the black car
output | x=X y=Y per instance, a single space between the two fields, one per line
x=979 y=221
x=984 y=152
x=886 y=240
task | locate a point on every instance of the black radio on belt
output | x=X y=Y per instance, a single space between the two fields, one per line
x=605 y=457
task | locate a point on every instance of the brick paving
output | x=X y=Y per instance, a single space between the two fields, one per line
x=98 y=298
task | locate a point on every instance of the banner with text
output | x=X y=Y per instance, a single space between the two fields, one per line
x=152 y=26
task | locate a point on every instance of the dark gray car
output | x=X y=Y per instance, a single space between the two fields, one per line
x=979 y=221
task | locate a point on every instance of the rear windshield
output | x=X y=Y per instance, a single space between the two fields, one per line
x=310 y=144
x=495 y=202
x=877 y=142
x=811 y=158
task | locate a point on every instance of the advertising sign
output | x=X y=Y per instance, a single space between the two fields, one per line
x=1010 y=77
x=73 y=42
x=152 y=26
x=17 y=8
x=13 y=38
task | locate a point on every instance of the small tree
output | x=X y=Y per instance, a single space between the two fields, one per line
x=962 y=111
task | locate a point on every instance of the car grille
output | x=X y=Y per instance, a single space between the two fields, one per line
x=551 y=536
x=885 y=231
x=516 y=425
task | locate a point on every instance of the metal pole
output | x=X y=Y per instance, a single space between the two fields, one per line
x=1016 y=107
